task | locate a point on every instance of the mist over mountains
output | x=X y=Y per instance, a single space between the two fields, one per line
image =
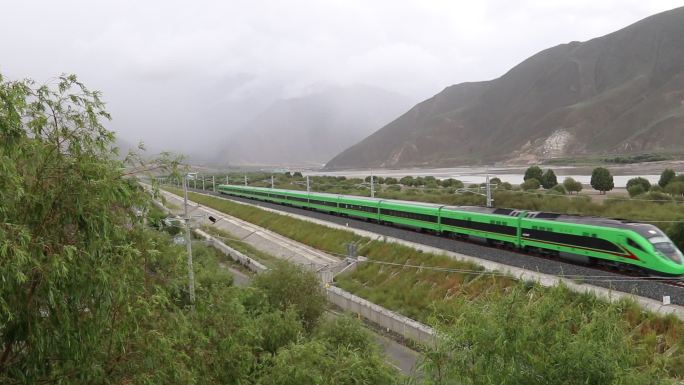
x=310 y=129
x=620 y=93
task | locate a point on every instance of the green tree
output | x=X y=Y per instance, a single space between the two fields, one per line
x=288 y=286
x=533 y=172
x=602 y=180
x=665 y=177
x=572 y=185
x=495 y=181
x=530 y=184
x=74 y=257
x=391 y=181
x=297 y=175
x=643 y=182
x=549 y=179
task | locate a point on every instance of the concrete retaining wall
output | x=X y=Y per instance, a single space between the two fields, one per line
x=382 y=317
x=237 y=256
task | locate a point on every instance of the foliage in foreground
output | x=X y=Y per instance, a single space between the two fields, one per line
x=90 y=295
x=534 y=336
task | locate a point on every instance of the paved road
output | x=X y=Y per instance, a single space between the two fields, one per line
x=262 y=239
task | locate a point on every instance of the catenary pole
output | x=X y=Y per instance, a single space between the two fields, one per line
x=372 y=185
x=489 y=192
x=188 y=243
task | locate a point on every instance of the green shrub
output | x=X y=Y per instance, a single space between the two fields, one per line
x=289 y=287
x=530 y=184
x=572 y=185
x=676 y=234
x=557 y=189
x=675 y=188
x=636 y=190
x=643 y=182
x=407 y=181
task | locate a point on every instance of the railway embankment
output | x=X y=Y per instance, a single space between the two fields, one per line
x=472 y=305
x=610 y=286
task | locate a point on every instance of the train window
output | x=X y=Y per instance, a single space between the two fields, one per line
x=634 y=244
x=482 y=226
x=409 y=215
x=592 y=242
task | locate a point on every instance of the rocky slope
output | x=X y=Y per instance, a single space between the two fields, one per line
x=620 y=93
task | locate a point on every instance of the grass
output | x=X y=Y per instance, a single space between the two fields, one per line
x=241 y=246
x=438 y=292
x=318 y=236
x=446 y=299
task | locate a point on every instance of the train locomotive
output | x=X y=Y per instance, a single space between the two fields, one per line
x=622 y=244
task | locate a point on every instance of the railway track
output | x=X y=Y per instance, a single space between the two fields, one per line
x=594 y=275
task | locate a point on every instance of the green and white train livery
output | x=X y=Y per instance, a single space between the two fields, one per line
x=638 y=246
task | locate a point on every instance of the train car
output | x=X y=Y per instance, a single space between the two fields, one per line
x=493 y=225
x=419 y=215
x=624 y=244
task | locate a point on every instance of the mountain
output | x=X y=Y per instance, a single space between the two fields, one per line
x=620 y=93
x=309 y=130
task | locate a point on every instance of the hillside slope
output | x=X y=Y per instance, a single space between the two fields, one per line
x=620 y=93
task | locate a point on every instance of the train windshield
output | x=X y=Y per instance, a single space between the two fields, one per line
x=665 y=246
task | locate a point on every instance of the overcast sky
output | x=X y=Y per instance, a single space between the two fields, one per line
x=174 y=73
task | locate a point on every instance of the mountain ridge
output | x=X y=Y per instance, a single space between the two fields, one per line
x=622 y=92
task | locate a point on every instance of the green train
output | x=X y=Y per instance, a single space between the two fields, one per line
x=626 y=245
